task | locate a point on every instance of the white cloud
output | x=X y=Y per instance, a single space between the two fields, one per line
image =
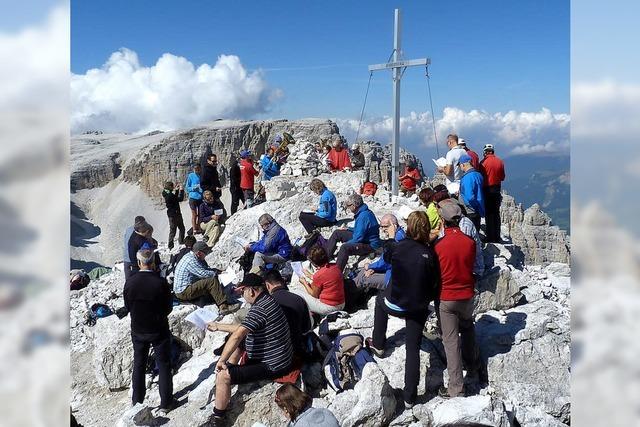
x=123 y=95
x=512 y=132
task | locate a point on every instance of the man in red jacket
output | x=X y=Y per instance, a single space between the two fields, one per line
x=492 y=169
x=456 y=254
x=339 y=157
x=247 y=175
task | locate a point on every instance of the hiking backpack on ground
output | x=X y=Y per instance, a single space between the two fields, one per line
x=345 y=361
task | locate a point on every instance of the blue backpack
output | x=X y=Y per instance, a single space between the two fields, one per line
x=345 y=361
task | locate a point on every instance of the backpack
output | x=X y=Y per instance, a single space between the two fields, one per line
x=78 y=279
x=345 y=361
x=369 y=188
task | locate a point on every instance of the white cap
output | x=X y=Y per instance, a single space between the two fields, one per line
x=355 y=147
x=461 y=141
x=488 y=147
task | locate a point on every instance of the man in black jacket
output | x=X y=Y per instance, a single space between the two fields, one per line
x=172 y=199
x=234 y=184
x=210 y=179
x=147 y=296
x=142 y=238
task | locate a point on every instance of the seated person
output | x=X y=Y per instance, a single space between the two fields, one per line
x=363 y=239
x=189 y=241
x=324 y=290
x=267 y=341
x=357 y=157
x=212 y=215
x=426 y=197
x=274 y=247
x=296 y=405
x=193 y=279
x=409 y=179
x=378 y=273
x=325 y=215
x=294 y=308
x=338 y=157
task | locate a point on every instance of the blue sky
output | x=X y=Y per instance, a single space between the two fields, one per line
x=495 y=55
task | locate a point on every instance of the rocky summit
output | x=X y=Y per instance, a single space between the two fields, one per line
x=522 y=303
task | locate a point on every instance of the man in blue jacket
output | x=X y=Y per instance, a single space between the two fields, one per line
x=325 y=215
x=471 y=191
x=270 y=165
x=192 y=186
x=362 y=239
x=273 y=248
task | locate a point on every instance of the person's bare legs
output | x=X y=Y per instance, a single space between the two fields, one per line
x=223 y=383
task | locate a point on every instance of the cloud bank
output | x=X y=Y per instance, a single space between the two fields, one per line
x=125 y=96
x=512 y=132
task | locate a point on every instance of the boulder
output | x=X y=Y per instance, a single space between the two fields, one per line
x=254 y=403
x=113 y=352
x=183 y=330
x=137 y=415
x=475 y=409
x=497 y=290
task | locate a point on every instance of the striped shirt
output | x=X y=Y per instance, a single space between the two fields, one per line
x=268 y=340
x=189 y=270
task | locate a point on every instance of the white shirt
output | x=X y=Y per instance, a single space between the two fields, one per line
x=452 y=157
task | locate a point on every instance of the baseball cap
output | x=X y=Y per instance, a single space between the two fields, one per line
x=245 y=153
x=461 y=141
x=250 y=279
x=449 y=209
x=201 y=247
x=464 y=159
x=488 y=147
x=355 y=147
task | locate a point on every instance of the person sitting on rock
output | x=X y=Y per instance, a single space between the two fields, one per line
x=325 y=215
x=377 y=274
x=294 y=307
x=357 y=157
x=192 y=186
x=247 y=177
x=274 y=247
x=471 y=191
x=267 y=341
x=323 y=290
x=410 y=179
x=189 y=241
x=426 y=196
x=339 y=157
x=363 y=239
x=172 y=200
x=212 y=216
x=128 y=261
x=147 y=297
x=195 y=282
x=270 y=165
x=414 y=283
x=296 y=405
x=456 y=254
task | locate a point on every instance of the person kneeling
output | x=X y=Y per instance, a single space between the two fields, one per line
x=324 y=290
x=267 y=341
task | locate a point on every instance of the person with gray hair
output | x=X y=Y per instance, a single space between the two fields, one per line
x=325 y=215
x=142 y=238
x=147 y=297
x=338 y=156
x=362 y=239
x=273 y=248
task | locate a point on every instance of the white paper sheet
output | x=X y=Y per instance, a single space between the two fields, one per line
x=453 y=187
x=441 y=162
x=201 y=317
x=218 y=212
x=297 y=268
x=228 y=276
x=241 y=241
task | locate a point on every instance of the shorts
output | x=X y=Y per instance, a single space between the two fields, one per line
x=194 y=203
x=253 y=371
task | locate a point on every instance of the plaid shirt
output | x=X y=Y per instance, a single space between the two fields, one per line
x=189 y=270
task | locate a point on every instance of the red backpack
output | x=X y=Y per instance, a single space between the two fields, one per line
x=369 y=188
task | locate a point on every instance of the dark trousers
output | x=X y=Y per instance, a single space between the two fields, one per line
x=129 y=269
x=414 y=325
x=311 y=221
x=347 y=249
x=475 y=219
x=492 y=201
x=236 y=196
x=162 y=349
x=175 y=223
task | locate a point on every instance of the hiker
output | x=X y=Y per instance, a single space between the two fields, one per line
x=189 y=241
x=357 y=157
x=142 y=238
x=377 y=274
x=452 y=169
x=471 y=191
x=323 y=290
x=338 y=156
x=247 y=177
x=426 y=196
x=192 y=186
x=212 y=216
x=234 y=184
x=325 y=215
x=363 y=239
x=410 y=179
x=270 y=165
x=273 y=248
x=128 y=262
x=294 y=307
x=210 y=177
x=195 y=282
x=325 y=161
x=475 y=160
x=456 y=254
x=414 y=283
x=147 y=297
x=172 y=200
x=296 y=405
x=492 y=169
x=267 y=341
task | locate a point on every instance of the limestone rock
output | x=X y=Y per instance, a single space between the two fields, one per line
x=113 y=352
x=476 y=409
x=254 y=403
x=183 y=330
x=137 y=415
x=497 y=290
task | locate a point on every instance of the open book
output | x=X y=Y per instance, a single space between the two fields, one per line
x=441 y=162
x=202 y=316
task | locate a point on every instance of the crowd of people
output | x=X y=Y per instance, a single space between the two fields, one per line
x=431 y=265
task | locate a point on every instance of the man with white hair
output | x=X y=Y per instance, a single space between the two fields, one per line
x=338 y=156
x=274 y=247
x=357 y=157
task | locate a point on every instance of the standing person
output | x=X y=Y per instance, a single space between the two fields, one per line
x=471 y=191
x=296 y=405
x=142 y=238
x=274 y=247
x=475 y=160
x=247 y=177
x=192 y=185
x=452 y=169
x=147 y=297
x=212 y=216
x=172 y=199
x=234 y=184
x=409 y=180
x=363 y=239
x=128 y=262
x=338 y=156
x=210 y=177
x=323 y=291
x=357 y=157
x=456 y=256
x=325 y=215
x=492 y=168
x=414 y=283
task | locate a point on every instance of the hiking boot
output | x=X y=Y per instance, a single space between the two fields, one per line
x=369 y=344
x=228 y=308
x=443 y=392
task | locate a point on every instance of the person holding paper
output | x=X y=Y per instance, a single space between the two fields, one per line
x=212 y=216
x=452 y=170
x=323 y=290
x=274 y=247
x=410 y=179
x=325 y=215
